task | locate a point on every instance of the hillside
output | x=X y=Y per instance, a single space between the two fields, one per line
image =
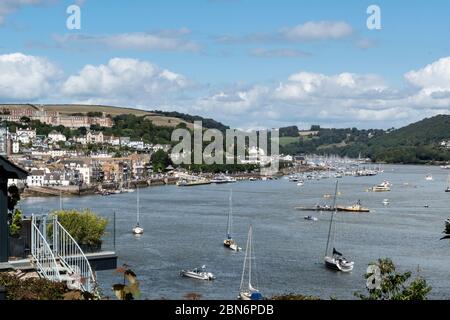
x=159 y=118
x=415 y=143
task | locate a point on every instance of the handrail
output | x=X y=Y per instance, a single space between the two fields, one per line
x=43 y=255
x=73 y=258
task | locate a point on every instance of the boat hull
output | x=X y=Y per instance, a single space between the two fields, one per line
x=198 y=276
x=333 y=264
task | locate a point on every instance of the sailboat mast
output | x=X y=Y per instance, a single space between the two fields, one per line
x=245 y=259
x=138 y=206
x=332 y=216
x=250 y=258
x=230 y=212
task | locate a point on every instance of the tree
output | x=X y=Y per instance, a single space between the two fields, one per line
x=25 y=120
x=160 y=160
x=385 y=283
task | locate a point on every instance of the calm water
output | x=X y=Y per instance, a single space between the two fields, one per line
x=185 y=228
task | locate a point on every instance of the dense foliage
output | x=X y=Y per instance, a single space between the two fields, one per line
x=207 y=123
x=15 y=225
x=137 y=128
x=417 y=143
x=85 y=227
x=394 y=285
x=289 y=131
x=32 y=288
x=294 y=297
x=160 y=161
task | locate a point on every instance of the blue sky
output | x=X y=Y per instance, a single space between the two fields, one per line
x=250 y=64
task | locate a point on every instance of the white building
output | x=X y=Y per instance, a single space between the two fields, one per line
x=36 y=178
x=55 y=136
x=56 y=153
x=138 y=145
x=25 y=136
x=16 y=147
x=95 y=137
x=52 y=179
x=85 y=172
x=82 y=140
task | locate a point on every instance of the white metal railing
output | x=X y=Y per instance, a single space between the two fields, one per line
x=73 y=258
x=42 y=253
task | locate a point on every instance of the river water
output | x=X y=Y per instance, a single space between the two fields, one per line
x=185 y=228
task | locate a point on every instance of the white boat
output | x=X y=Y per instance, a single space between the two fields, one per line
x=429 y=177
x=220 y=179
x=246 y=289
x=301 y=183
x=138 y=230
x=386 y=202
x=229 y=242
x=447 y=222
x=336 y=261
x=311 y=218
x=382 y=187
x=198 y=273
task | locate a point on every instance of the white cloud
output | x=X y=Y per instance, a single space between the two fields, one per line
x=166 y=40
x=25 y=77
x=10 y=6
x=318 y=30
x=305 y=85
x=434 y=77
x=124 y=81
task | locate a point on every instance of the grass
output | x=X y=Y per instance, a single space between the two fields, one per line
x=284 y=141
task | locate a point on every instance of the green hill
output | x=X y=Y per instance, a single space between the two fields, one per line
x=416 y=143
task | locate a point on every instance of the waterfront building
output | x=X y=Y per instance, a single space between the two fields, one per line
x=36 y=178
x=55 y=136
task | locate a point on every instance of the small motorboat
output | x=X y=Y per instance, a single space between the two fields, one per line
x=198 y=273
x=311 y=218
x=386 y=202
x=429 y=177
x=300 y=183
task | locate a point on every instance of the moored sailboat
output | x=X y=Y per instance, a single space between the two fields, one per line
x=246 y=290
x=336 y=261
x=229 y=242
x=138 y=230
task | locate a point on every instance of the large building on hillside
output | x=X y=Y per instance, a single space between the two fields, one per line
x=13 y=114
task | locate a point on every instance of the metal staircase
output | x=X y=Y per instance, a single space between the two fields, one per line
x=63 y=260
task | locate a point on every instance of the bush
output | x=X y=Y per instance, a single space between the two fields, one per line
x=32 y=288
x=85 y=227
x=16 y=224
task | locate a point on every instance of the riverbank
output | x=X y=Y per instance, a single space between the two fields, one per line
x=76 y=191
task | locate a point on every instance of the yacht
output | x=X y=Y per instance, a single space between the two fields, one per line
x=336 y=260
x=198 y=273
x=223 y=179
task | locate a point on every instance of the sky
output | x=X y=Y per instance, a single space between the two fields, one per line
x=249 y=64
